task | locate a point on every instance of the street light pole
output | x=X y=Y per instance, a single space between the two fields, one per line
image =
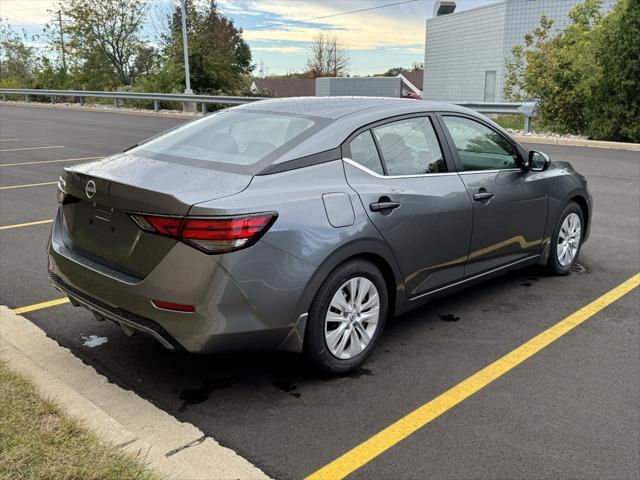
x=185 y=48
x=64 y=60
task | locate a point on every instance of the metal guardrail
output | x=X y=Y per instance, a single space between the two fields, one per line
x=81 y=95
x=527 y=109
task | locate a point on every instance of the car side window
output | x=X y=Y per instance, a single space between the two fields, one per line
x=364 y=151
x=410 y=147
x=479 y=147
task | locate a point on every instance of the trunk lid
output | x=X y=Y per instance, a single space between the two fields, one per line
x=101 y=193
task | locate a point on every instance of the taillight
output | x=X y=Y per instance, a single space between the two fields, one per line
x=61 y=190
x=63 y=197
x=209 y=234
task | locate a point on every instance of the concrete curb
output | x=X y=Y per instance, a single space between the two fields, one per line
x=107 y=109
x=578 y=142
x=175 y=449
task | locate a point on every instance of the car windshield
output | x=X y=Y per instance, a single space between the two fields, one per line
x=230 y=137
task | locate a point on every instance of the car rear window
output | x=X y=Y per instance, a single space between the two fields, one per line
x=230 y=137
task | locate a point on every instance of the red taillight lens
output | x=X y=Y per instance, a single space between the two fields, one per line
x=165 y=225
x=209 y=234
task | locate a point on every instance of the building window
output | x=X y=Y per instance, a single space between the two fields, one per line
x=490 y=86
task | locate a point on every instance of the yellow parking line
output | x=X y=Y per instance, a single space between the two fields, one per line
x=28 y=185
x=49 y=161
x=40 y=306
x=401 y=429
x=30 y=148
x=28 y=224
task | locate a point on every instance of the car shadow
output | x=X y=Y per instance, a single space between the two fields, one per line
x=180 y=382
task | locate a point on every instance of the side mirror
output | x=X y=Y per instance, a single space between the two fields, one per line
x=538 y=161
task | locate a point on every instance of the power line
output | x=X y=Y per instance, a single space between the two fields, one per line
x=290 y=22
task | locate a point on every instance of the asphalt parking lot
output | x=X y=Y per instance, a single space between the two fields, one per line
x=572 y=410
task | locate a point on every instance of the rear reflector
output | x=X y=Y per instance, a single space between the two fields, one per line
x=176 y=307
x=209 y=234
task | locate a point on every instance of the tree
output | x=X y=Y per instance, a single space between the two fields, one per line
x=104 y=42
x=219 y=58
x=18 y=61
x=614 y=107
x=395 y=71
x=326 y=58
x=559 y=71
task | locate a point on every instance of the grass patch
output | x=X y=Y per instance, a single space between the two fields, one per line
x=39 y=440
x=515 y=122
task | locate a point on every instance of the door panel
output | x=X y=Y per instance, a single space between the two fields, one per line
x=510 y=225
x=509 y=203
x=429 y=232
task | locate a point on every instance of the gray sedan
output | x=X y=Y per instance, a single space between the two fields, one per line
x=304 y=224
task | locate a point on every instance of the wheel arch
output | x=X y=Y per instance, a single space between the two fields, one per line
x=584 y=206
x=373 y=251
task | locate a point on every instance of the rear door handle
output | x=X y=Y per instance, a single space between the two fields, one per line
x=383 y=206
x=483 y=196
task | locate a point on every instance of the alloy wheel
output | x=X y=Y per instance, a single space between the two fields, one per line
x=352 y=318
x=569 y=239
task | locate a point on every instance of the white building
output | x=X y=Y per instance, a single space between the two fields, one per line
x=465 y=51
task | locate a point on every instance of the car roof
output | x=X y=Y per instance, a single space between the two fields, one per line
x=338 y=107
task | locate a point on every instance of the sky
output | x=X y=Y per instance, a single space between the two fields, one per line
x=376 y=39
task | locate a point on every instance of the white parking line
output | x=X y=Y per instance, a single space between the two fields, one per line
x=30 y=148
x=27 y=185
x=49 y=161
x=9 y=139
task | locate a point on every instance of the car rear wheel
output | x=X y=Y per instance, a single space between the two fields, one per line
x=346 y=317
x=566 y=241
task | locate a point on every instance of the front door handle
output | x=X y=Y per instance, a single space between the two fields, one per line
x=383 y=206
x=483 y=196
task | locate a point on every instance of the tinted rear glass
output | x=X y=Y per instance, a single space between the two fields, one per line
x=233 y=138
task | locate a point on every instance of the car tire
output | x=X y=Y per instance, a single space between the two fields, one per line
x=340 y=332
x=567 y=237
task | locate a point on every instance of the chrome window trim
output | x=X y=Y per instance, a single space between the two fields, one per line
x=377 y=175
x=443 y=174
x=470 y=172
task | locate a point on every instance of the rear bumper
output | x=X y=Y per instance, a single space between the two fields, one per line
x=122 y=317
x=243 y=300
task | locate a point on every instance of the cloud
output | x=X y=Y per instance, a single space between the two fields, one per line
x=398 y=26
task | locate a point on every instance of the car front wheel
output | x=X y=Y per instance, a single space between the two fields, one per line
x=567 y=240
x=346 y=317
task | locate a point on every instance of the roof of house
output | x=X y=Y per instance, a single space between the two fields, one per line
x=286 y=87
x=416 y=77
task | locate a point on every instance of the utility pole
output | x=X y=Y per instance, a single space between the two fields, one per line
x=185 y=48
x=64 y=60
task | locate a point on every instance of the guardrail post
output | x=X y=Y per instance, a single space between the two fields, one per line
x=4 y=97
x=156 y=106
x=204 y=108
x=27 y=98
x=115 y=103
x=527 y=123
x=53 y=99
x=82 y=101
